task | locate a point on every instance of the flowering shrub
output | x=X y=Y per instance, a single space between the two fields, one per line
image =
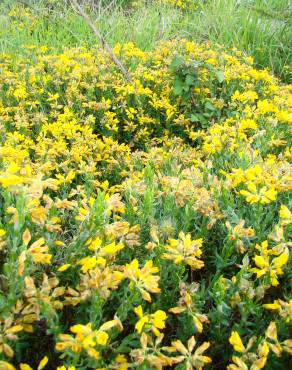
x=143 y=224
x=186 y=5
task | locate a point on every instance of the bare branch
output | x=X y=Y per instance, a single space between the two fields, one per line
x=102 y=40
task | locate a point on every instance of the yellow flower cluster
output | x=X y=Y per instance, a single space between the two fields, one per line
x=146 y=223
x=186 y=5
x=185 y=251
x=265 y=265
x=257 y=359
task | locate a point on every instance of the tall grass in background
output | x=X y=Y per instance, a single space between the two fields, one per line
x=261 y=28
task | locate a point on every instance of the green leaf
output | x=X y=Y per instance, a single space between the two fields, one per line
x=186 y=88
x=177 y=87
x=220 y=76
x=195 y=118
x=210 y=106
x=190 y=80
x=128 y=343
x=177 y=62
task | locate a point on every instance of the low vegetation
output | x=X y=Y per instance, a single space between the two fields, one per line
x=144 y=222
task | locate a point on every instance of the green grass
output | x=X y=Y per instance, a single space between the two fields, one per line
x=261 y=28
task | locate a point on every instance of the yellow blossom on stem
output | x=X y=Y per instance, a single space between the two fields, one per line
x=267 y=264
x=43 y=363
x=153 y=321
x=86 y=338
x=236 y=342
x=264 y=195
x=184 y=250
x=38 y=252
x=285 y=215
x=64 y=267
x=4 y=365
x=144 y=278
x=283 y=308
x=192 y=360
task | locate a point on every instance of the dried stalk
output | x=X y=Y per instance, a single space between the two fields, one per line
x=102 y=40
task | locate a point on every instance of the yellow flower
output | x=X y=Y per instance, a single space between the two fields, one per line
x=265 y=106
x=272 y=306
x=72 y=134
x=59 y=243
x=247 y=124
x=185 y=250
x=285 y=215
x=192 y=360
x=271 y=331
x=20 y=92
x=86 y=338
x=94 y=244
x=43 y=363
x=264 y=195
x=64 y=267
x=266 y=264
x=9 y=178
x=264 y=350
x=89 y=263
x=101 y=338
x=26 y=237
x=261 y=263
x=144 y=278
x=6 y=366
x=153 y=321
x=120 y=363
x=236 y=342
x=66 y=179
x=25 y=367
x=158 y=319
x=284 y=308
x=111 y=249
x=38 y=252
x=143 y=319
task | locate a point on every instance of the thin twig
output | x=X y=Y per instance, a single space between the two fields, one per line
x=102 y=40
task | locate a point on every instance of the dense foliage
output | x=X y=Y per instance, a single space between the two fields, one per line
x=260 y=28
x=144 y=224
